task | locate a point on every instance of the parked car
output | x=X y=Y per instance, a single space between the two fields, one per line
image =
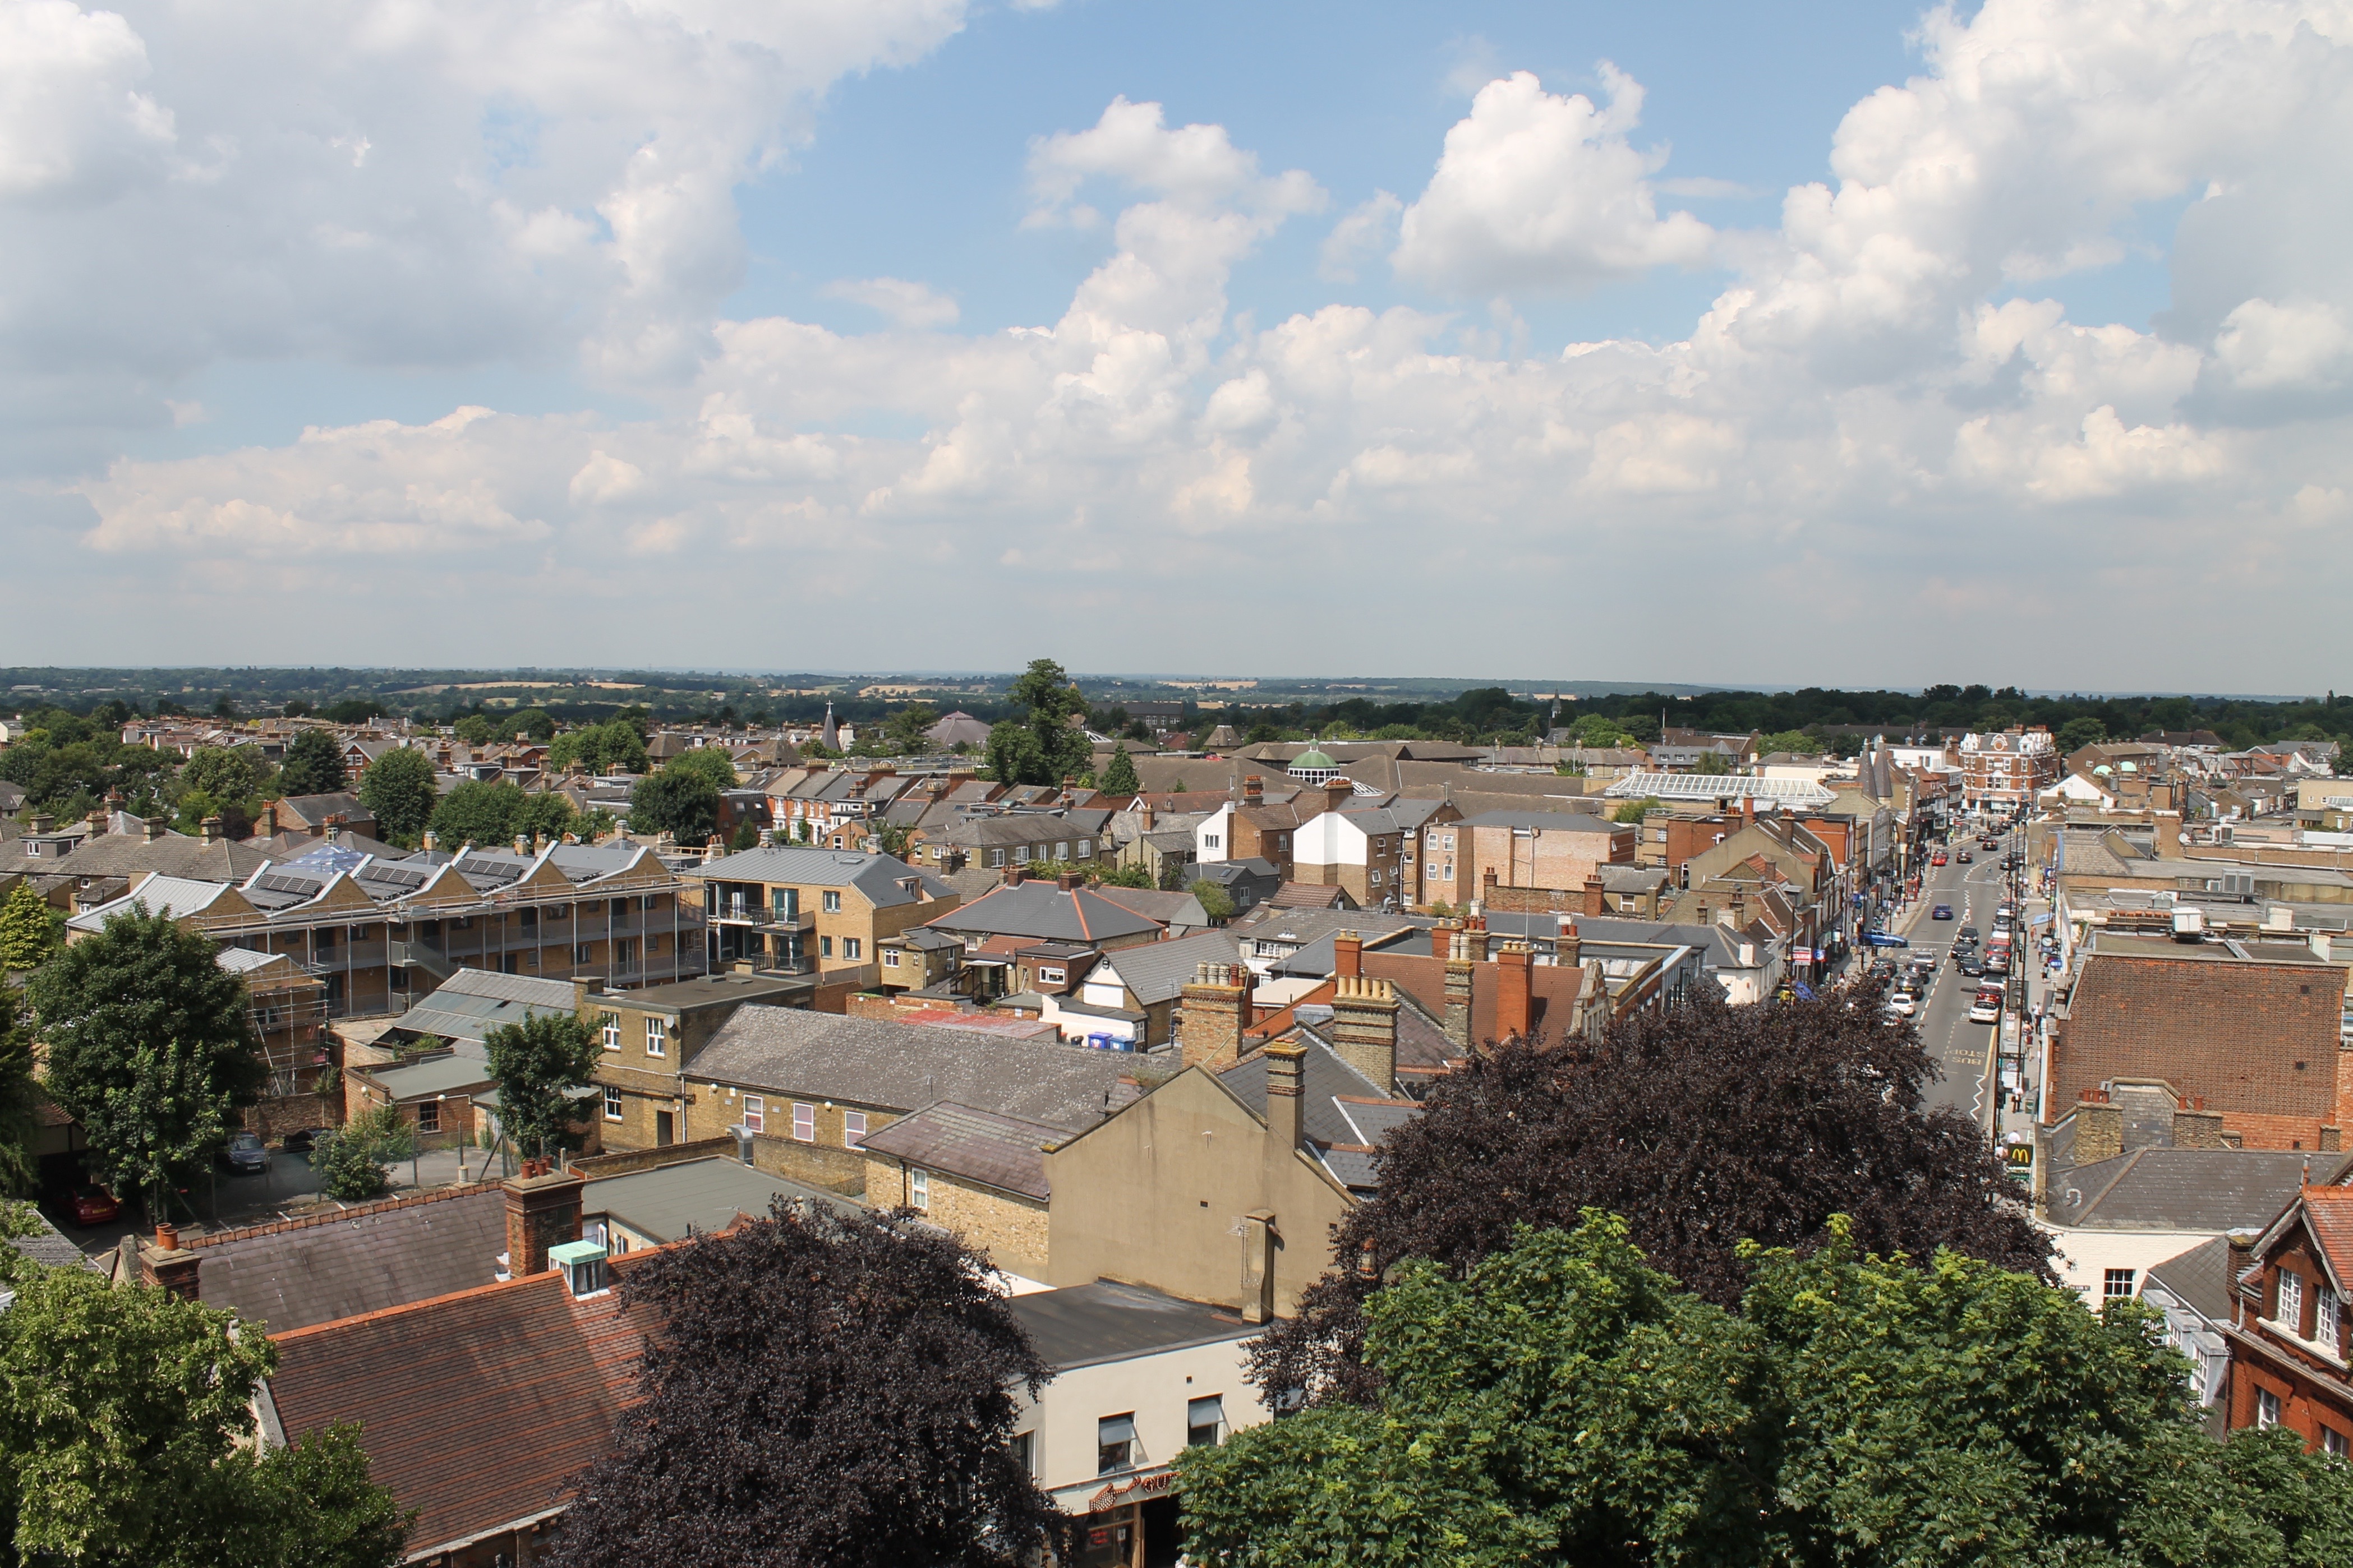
x=1986 y=1008
x=1902 y=1005
x=246 y=1153
x=1937 y=858
x=1964 y=856
x=90 y=1204
x=1971 y=965
x=1941 y=912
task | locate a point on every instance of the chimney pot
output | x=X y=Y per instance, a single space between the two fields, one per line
x=167 y=1236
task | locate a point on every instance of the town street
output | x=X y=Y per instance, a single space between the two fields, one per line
x=1963 y=1050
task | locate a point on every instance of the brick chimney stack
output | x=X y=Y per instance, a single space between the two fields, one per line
x=1515 y=999
x=543 y=1211
x=1442 y=939
x=1363 y=1027
x=1286 y=1102
x=1475 y=931
x=1216 y=1011
x=1337 y=793
x=1253 y=790
x=167 y=1266
x=1597 y=902
x=213 y=830
x=1070 y=882
x=1347 y=955
x=2099 y=1127
x=1143 y=816
x=151 y=829
x=1568 y=946
x=1460 y=969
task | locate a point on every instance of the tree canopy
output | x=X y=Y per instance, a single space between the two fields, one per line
x=825 y=1389
x=225 y=773
x=150 y=1046
x=1119 y=775
x=1564 y=1401
x=30 y=931
x=1040 y=746
x=534 y=1062
x=19 y=1128
x=126 y=1426
x=313 y=764
x=399 y=788
x=1215 y=902
x=711 y=762
x=479 y=812
x=680 y=802
x=615 y=746
x=1705 y=1125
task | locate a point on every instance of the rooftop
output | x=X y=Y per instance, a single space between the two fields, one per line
x=1002 y=1151
x=668 y=1203
x=2213 y=1190
x=1086 y=1325
x=291 y=1274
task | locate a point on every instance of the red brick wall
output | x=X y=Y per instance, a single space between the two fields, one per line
x=2231 y=1033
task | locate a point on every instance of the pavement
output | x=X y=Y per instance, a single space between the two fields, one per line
x=219 y=1200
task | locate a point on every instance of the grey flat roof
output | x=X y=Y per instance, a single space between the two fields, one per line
x=706 y=989
x=701 y=1196
x=1084 y=1325
x=440 y=1076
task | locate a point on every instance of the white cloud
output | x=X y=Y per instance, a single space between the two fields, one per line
x=1877 y=420
x=907 y=304
x=75 y=126
x=1367 y=230
x=1539 y=192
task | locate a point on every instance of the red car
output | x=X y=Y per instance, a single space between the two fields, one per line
x=1937 y=858
x=92 y=1205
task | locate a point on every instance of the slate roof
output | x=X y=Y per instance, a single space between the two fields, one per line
x=445 y=1390
x=1158 y=971
x=1171 y=910
x=48 y=1245
x=877 y=876
x=122 y=854
x=904 y=1068
x=2214 y=1190
x=1085 y=1325
x=1002 y=1152
x=668 y=1202
x=2199 y=1279
x=1324 y=1081
x=1550 y=821
x=1042 y=912
x=293 y=1274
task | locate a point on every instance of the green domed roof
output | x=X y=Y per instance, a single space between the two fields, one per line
x=1313 y=757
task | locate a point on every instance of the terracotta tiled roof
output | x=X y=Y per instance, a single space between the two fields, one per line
x=2330 y=1212
x=474 y=1407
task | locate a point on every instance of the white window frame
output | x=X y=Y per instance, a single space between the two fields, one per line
x=612 y=1102
x=804 y=1121
x=919 y=1190
x=890 y=958
x=831 y=903
x=2326 y=1310
x=2267 y=1408
x=2289 y=1302
x=853 y=947
x=2335 y=1444
x=2116 y=1284
x=853 y=1130
x=1209 y=841
x=755 y=1116
x=609 y=1028
x=656 y=1036
x=1053 y=976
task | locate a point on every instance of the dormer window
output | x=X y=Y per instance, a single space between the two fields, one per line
x=2290 y=1299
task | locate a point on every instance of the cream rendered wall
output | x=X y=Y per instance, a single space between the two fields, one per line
x=2083 y=1257
x=1155 y=1388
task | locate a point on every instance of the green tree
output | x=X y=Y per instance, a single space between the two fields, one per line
x=474 y=729
x=894 y=838
x=1714 y=763
x=126 y=1427
x=710 y=763
x=399 y=788
x=1215 y=902
x=1119 y=778
x=221 y=771
x=617 y=746
x=534 y=722
x=534 y=1062
x=907 y=726
x=1793 y=740
x=314 y=765
x=680 y=802
x=477 y=811
x=30 y=931
x=1128 y=877
x=351 y=1165
x=1040 y=746
x=2077 y=733
x=1633 y=811
x=150 y=1048
x=19 y=1126
x=1564 y=1402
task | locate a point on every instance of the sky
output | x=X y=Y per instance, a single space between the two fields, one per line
x=1852 y=344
